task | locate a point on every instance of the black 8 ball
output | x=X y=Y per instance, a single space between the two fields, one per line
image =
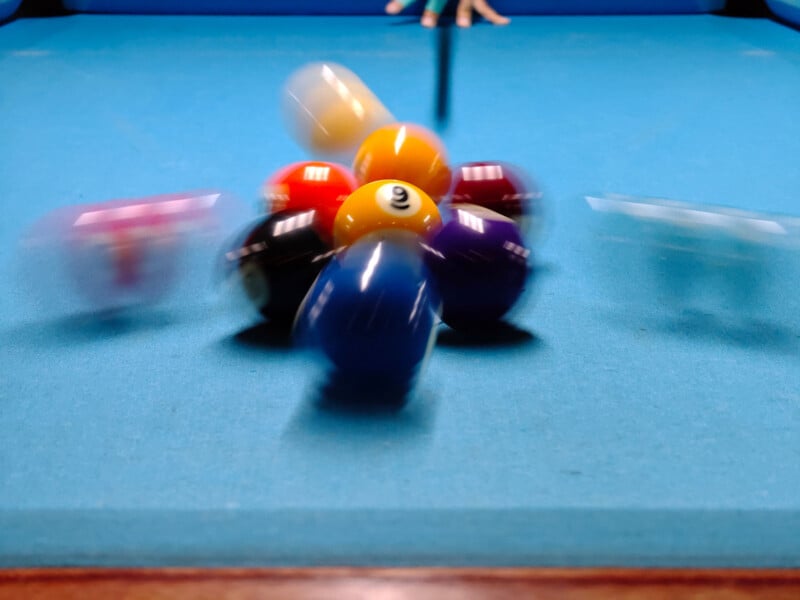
x=279 y=260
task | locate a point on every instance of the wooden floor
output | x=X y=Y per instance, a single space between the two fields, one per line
x=396 y=584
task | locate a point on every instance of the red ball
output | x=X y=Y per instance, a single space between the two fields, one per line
x=313 y=185
x=498 y=186
x=123 y=253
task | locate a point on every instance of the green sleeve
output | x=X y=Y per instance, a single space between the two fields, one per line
x=435 y=6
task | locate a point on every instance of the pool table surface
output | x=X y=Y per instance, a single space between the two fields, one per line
x=586 y=437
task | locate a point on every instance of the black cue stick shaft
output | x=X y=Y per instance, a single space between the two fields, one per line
x=444 y=56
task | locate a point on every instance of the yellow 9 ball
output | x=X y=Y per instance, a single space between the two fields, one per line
x=385 y=205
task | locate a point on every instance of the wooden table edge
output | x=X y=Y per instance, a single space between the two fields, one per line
x=418 y=583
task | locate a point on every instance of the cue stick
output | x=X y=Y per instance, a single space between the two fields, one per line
x=444 y=46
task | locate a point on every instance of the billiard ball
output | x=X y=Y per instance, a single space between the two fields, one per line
x=501 y=187
x=103 y=258
x=372 y=312
x=311 y=185
x=683 y=260
x=385 y=205
x=329 y=110
x=277 y=262
x=121 y=255
x=405 y=152
x=480 y=266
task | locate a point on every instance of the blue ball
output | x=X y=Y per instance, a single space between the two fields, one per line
x=372 y=311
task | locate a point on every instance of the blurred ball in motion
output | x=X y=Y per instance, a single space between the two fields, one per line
x=385 y=205
x=695 y=258
x=121 y=253
x=329 y=111
x=408 y=153
x=372 y=312
x=277 y=262
x=314 y=185
x=501 y=187
x=480 y=266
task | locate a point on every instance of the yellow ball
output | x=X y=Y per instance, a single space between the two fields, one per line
x=330 y=111
x=384 y=205
x=341 y=125
x=406 y=152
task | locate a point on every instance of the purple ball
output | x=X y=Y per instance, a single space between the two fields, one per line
x=480 y=265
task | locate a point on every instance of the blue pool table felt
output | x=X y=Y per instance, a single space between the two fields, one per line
x=593 y=440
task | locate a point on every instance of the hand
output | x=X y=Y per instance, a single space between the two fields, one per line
x=464 y=13
x=429 y=18
x=394 y=7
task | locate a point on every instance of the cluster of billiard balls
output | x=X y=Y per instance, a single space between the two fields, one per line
x=363 y=263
